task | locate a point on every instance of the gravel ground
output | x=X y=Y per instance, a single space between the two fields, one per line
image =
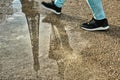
x=66 y=52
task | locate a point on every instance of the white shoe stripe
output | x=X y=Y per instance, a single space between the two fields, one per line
x=96 y=29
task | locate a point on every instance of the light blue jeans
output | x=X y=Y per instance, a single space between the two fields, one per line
x=95 y=5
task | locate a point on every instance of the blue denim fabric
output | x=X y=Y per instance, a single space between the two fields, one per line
x=97 y=9
x=95 y=6
x=59 y=3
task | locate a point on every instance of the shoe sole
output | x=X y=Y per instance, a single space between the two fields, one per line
x=52 y=10
x=97 y=29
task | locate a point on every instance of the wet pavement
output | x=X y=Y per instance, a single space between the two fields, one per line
x=38 y=45
x=42 y=45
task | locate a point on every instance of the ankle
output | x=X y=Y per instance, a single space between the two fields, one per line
x=58 y=6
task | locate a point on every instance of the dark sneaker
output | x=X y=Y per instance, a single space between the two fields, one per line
x=96 y=25
x=52 y=7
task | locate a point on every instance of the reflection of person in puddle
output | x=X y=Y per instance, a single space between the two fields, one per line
x=99 y=22
x=60 y=48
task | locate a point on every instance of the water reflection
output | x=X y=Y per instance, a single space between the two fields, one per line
x=32 y=13
x=5 y=10
x=59 y=43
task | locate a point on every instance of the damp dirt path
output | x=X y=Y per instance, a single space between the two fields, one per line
x=38 y=45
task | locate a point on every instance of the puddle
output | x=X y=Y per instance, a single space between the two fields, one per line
x=41 y=45
x=61 y=49
x=14 y=20
x=32 y=14
x=33 y=21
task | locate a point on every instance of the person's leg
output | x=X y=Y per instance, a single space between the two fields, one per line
x=54 y=6
x=99 y=21
x=97 y=9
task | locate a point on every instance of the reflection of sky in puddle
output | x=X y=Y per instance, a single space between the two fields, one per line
x=16 y=4
x=11 y=10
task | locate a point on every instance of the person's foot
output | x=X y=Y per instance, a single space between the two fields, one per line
x=52 y=7
x=95 y=25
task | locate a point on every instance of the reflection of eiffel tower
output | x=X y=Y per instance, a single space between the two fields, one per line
x=31 y=10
